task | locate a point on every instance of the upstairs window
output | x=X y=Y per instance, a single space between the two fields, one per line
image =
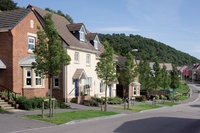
x=88 y=59
x=96 y=41
x=31 y=43
x=76 y=57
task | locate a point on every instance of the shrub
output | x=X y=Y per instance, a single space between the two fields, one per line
x=114 y=100
x=163 y=97
x=90 y=103
x=140 y=98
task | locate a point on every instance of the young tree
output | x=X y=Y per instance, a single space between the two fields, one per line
x=49 y=53
x=157 y=76
x=128 y=74
x=7 y=5
x=106 y=68
x=144 y=74
x=165 y=79
x=174 y=79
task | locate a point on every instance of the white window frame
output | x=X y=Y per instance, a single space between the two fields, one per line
x=32 y=78
x=88 y=59
x=38 y=77
x=76 y=56
x=28 y=77
x=102 y=89
x=30 y=49
x=56 y=84
x=82 y=34
x=88 y=81
x=95 y=44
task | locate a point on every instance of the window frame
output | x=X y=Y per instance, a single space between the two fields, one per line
x=102 y=89
x=76 y=57
x=54 y=82
x=88 y=59
x=31 y=44
x=38 y=76
x=28 y=77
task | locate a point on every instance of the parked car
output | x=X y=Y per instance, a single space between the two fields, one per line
x=145 y=93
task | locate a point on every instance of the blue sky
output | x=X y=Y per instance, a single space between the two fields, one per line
x=173 y=22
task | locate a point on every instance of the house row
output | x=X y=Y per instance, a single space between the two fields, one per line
x=191 y=72
x=18 y=36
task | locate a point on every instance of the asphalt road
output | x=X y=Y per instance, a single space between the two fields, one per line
x=183 y=118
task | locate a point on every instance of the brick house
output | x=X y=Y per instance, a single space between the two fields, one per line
x=17 y=40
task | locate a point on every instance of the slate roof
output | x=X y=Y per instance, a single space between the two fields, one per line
x=9 y=19
x=75 y=27
x=62 y=26
x=91 y=36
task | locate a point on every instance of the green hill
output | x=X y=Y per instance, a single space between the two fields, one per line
x=147 y=48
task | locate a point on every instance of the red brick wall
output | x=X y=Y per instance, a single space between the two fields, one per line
x=13 y=48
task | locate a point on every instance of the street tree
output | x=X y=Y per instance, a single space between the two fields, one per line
x=127 y=75
x=6 y=5
x=165 y=78
x=144 y=74
x=156 y=75
x=49 y=53
x=174 y=79
x=106 y=68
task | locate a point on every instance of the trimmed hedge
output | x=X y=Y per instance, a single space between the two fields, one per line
x=36 y=103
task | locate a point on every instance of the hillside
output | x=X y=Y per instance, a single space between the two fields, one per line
x=147 y=48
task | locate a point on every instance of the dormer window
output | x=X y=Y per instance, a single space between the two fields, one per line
x=96 y=41
x=82 y=34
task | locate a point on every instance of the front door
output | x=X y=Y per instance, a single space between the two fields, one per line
x=76 y=87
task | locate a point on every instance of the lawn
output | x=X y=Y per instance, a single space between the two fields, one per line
x=166 y=103
x=142 y=107
x=61 y=118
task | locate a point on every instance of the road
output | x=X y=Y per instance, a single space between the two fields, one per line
x=183 y=118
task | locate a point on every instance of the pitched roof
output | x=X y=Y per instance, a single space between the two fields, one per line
x=9 y=19
x=61 y=25
x=91 y=36
x=75 y=27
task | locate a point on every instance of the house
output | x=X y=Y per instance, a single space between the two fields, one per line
x=134 y=88
x=18 y=37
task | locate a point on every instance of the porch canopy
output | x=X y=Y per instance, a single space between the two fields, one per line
x=2 y=65
x=27 y=61
x=79 y=74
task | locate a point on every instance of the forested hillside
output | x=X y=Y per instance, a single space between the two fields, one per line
x=147 y=49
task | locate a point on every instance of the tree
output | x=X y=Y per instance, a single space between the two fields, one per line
x=106 y=68
x=49 y=53
x=127 y=74
x=59 y=12
x=6 y=5
x=144 y=77
x=174 y=78
x=165 y=79
x=156 y=75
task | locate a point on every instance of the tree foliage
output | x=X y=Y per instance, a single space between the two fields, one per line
x=156 y=75
x=148 y=48
x=6 y=5
x=106 y=68
x=174 y=78
x=165 y=79
x=59 y=12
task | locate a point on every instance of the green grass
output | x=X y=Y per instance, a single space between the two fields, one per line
x=142 y=107
x=61 y=118
x=168 y=103
x=182 y=88
x=3 y=110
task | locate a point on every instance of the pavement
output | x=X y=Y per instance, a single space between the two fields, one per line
x=14 y=121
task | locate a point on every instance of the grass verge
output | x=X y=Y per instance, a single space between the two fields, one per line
x=168 y=103
x=61 y=118
x=3 y=110
x=142 y=107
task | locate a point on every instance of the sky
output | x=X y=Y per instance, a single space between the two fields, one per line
x=173 y=22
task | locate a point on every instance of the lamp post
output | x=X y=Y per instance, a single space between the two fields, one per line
x=133 y=50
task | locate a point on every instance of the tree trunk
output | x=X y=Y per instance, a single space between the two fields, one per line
x=50 y=96
x=105 y=109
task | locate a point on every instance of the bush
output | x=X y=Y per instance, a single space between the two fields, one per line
x=36 y=103
x=115 y=100
x=140 y=98
x=96 y=99
x=163 y=97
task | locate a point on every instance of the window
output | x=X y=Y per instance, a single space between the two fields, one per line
x=38 y=79
x=32 y=79
x=95 y=44
x=56 y=82
x=88 y=59
x=76 y=57
x=31 y=43
x=82 y=34
x=88 y=82
x=101 y=87
x=134 y=91
x=28 y=77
